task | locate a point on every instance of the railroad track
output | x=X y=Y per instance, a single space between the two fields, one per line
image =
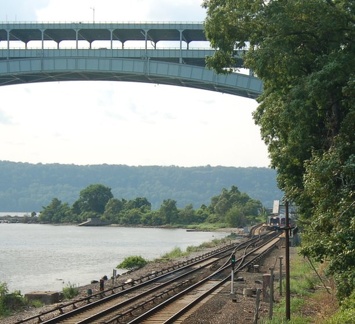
x=174 y=309
x=123 y=303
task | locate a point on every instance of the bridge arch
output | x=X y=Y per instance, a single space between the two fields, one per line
x=32 y=70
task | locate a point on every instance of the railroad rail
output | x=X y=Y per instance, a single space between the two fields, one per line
x=122 y=303
x=173 y=309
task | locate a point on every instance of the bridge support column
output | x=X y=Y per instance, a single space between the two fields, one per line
x=111 y=38
x=42 y=36
x=76 y=38
x=8 y=43
x=180 y=58
x=146 y=41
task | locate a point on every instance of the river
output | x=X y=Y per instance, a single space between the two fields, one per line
x=36 y=257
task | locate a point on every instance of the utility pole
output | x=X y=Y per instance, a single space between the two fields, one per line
x=232 y=272
x=271 y=302
x=93 y=14
x=280 y=275
x=287 y=261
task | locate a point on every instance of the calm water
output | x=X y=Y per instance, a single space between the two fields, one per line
x=46 y=257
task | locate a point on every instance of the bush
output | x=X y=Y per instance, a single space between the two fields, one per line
x=70 y=291
x=10 y=302
x=132 y=262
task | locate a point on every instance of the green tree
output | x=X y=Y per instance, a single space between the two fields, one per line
x=236 y=216
x=304 y=53
x=93 y=199
x=56 y=212
x=157 y=219
x=147 y=218
x=131 y=217
x=330 y=235
x=202 y=214
x=141 y=203
x=112 y=211
x=169 y=211
x=221 y=204
x=187 y=215
x=228 y=199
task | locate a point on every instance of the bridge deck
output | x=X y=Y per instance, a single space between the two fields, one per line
x=90 y=32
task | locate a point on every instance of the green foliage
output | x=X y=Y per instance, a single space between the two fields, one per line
x=234 y=208
x=191 y=249
x=3 y=292
x=168 y=211
x=112 y=211
x=346 y=313
x=207 y=226
x=178 y=253
x=175 y=253
x=10 y=302
x=231 y=208
x=70 y=291
x=140 y=203
x=56 y=212
x=330 y=181
x=132 y=262
x=304 y=53
x=94 y=198
x=236 y=217
x=36 y=303
x=131 y=217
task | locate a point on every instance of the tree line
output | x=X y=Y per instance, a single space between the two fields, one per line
x=27 y=187
x=230 y=208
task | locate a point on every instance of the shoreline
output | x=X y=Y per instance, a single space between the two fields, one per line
x=94 y=288
x=229 y=230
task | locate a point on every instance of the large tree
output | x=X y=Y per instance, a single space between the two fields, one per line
x=168 y=211
x=304 y=52
x=93 y=199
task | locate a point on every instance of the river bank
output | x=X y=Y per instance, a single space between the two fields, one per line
x=93 y=288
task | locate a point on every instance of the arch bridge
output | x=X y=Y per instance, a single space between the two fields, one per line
x=162 y=53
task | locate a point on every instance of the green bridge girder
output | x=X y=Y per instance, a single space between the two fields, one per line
x=43 y=55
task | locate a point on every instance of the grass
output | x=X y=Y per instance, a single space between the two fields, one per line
x=178 y=253
x=173 y=254
x=310 y=301
x=207 y=226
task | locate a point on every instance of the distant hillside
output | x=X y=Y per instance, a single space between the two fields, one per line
x=29 y=187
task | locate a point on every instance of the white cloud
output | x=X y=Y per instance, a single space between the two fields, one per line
x=20 y=10
x=122 y=10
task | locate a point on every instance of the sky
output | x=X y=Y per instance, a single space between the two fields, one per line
x=87 y=123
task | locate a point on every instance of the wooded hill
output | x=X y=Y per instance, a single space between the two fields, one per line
x=28 y=187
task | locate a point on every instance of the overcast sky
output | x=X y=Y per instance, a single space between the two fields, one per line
x=123 y=123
